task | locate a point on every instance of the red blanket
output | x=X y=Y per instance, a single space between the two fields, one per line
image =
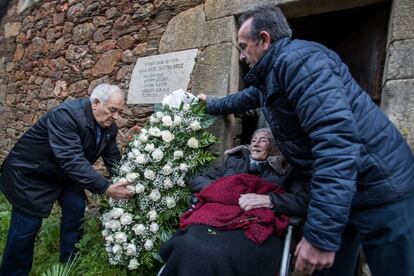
x=218 y=206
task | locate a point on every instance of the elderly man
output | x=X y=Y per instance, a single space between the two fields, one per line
x=361 y=169
x=53 y=161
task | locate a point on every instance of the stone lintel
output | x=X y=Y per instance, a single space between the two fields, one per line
x=220 y=30
x=400 y=60
x=401 y=24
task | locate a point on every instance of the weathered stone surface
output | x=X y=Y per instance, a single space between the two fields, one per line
x=141 y=35
x=126 y=42
x=99 y=36
x=38 y=47
x=106 y=63
x=140 y=49
x=82 y=33
x=61 y=89
x=402 y=20
x=3 y=93
x=100 y=21
x=104 y=46
x=18 y=53
x=58 y=63
x=124 y=72
x=220 y=30
x=398 y=103
x=76 y=52
x=95 y=83
x=75 y=10
x=67 y=27
x=123 y=21
x=143 y=11
x=184 y=31
x=46 y=90
x=12 y=29
x=216 y=70
x=58 y=19
x=78 y=88
x=400 y=60
x=128 y=56
x=111 y=13
x=87 y=62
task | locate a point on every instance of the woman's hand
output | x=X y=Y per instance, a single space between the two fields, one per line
x=251 y=201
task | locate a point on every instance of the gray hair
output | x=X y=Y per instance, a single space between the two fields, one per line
x=271 y=138
x=104 y=91
x=266 y=18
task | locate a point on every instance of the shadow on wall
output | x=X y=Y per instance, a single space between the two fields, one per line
x=3 y=8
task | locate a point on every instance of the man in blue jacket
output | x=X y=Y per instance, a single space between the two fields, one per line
x=53 y=161
x=360 y=168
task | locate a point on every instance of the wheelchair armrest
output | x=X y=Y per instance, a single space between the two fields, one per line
x=295 y=221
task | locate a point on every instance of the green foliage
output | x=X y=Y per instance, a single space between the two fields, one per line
x=61 y=269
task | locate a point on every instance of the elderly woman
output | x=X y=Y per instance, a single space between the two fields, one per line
x=200 y=249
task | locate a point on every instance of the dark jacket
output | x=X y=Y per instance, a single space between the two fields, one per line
x=292 y=203
x=56 y=152
x=328 y=128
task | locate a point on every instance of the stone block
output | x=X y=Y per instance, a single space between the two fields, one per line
x=400 y=60
x=398 y=103
x=12 y=29
x=220 y=30
x=401 y=21
x=184 y=31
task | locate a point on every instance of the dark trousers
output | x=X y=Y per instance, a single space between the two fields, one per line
x=18 y=253
x=386 y=234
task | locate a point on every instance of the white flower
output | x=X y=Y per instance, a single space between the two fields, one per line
x=109 y=239
x=149 y=147
x=154 y=227
x=181 y=182
x=135 y=152
x=133 y=264
x=108 y=249
x=126 y=219
x=195 y=125
x=177 y=120
x=157 y=154
x=183 y=167
x=136 y=143
x=166 y=170
x=143 y=131
x=105 y=233
x=148 y=245
x=167 y=121
x=130 y=155
x=139 y=188
x=113 y=225
x=143 y=138
x=168 y=183
x=159 y=114
x=167 y=136
x=149 y=174
x=131 y=176
x=124 y=169
x=120 y=237
x=131 y=249
x=116 y=249
x=154 y=119
x=141 y=159
x=155 y=195
x=106 y=217
x=192 y=143
x=170 y=202
x=131 y=189
x=117 y=212
x=155 y=131
x=178 y=154
x=186 y=107
x=152 y=215
x=138 y=229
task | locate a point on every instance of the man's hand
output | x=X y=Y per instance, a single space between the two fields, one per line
x=309 y=258
x=119 y=190
x=202 y=97
x=251 y=201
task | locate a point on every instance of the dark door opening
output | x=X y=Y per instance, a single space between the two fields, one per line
x=358 y=35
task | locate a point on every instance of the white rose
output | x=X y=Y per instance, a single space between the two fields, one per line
x=126 y=219
x=143 y=138
x=140 y=159
x=155 y=131
x=157 y=154
x=109 y=239
x=178 y=154
x=130 y=155
x=113 y=225
x=177 y=120
x=170 y=202
x=167 y=136
x=105 y=232
x=131 y=176
x=138 y=229
x=149 y=174
x=167 y=121
x=168 y=183
x=106 y=217
x=181 y=182
x=116 y=249
x=131 y=249
x=149 y=147
x=166 y=170
x=155 y=195
x=133 y=264
x=183 y=167
x=186 y=107
x=143 y=131
x=139 y=188
x=192 y=143
x=117 y=212
x=131 y=189
x=154 y=227
x=148 y=245
x=195 y=125
x=135 y=152
x=159 y=114
x=152 y=215
x=124 y=169
x=154 y=119
x=120 y=237
x=136 y=143
x=108 y=249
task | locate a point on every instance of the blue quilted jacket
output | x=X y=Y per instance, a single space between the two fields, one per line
x=328 y=128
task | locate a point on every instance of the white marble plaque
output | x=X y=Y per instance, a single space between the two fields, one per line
x=154 y=77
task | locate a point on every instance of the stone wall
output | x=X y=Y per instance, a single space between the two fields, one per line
x=58 y=50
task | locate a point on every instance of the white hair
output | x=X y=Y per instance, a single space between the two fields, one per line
x=104 y=91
